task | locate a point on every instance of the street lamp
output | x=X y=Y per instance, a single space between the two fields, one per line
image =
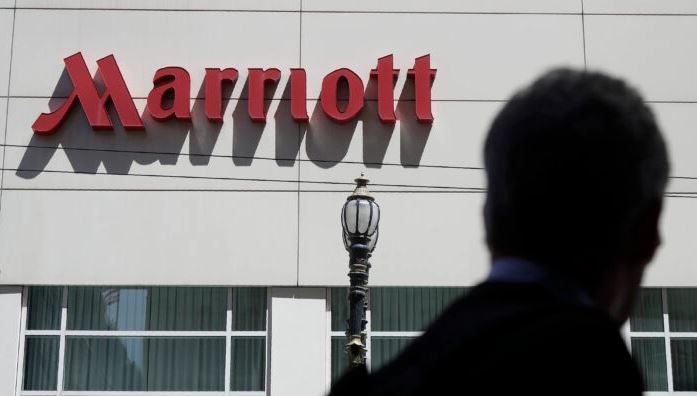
x=359 y=219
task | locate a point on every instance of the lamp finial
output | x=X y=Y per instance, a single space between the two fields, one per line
x=361 y=189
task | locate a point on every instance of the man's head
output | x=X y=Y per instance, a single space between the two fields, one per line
x=576 y=170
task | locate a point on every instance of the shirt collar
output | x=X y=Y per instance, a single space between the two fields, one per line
x=521 y=271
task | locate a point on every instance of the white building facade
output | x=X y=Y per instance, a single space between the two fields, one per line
x=204 y=256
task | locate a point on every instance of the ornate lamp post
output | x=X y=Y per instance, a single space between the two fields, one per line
x=359 y=218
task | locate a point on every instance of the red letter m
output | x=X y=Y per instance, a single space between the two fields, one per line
x=92 y=103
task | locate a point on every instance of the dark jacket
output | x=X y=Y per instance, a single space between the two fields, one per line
x=505 y=337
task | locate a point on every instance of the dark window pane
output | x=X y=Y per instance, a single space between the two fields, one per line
x=187 y=308
x=384 y=349
x=105 y=363
x=195 y=364
x=339 y=358
x=249 y=309
x=648 y=311
x=339 y=308
x=145 y=364
x=147 y=308
x=248 y=364
x=44 y=307
x=409 y=308
x=684 y=357
x=682 y=309
x=41 y=363
x=650 y=355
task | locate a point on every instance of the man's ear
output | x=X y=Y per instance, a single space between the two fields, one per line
x=646 y=235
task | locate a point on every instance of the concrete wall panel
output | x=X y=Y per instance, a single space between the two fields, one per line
x=6 y=17
x=271 y=5
x=655 y=53
x=144 y=41
x=138 y=237
x=479 y=57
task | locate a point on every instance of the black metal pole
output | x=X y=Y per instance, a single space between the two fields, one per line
x=358 y=304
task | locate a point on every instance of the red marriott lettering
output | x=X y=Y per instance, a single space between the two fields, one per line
x=175 y=83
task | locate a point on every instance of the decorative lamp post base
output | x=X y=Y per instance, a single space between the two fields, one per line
x=358 y=305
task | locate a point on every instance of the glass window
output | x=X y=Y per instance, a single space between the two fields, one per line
x=41 y=363
x=384 y=349
x=140 y=363
x=682 y=310
x=248 y=309
x=650 y=338
x=44 y=303
x=122 y=339
x=339 y=308
x=648 y=311
x=147 y=308
x=248 y=364
x=650 y=355
x=684 y=358
x=339 y=362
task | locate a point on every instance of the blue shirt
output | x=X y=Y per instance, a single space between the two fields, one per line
x=516 y=270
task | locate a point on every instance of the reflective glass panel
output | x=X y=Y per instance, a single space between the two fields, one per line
x=648 y=311
x=682 y=309
x=248 y=364
x=650 y=356
x=145 y=364
x=384 y=349
x=249 y=309
x=41 y=362
x=339 y=357
x=684 y=358
x=339 y=308
x=44 y=307
x=147 y=308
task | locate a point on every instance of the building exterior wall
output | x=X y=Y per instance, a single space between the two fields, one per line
x=247 y=204
x=199 y=204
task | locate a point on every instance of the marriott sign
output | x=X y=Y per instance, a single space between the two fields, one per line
x=171 y=92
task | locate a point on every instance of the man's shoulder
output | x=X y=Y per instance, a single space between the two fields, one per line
x=504 y=307
x=499 y=314
x=515 y=332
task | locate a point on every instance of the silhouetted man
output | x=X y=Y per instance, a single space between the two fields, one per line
x=576 y=171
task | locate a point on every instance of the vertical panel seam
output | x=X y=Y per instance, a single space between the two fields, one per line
x=583 y=36
x=7 y=104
